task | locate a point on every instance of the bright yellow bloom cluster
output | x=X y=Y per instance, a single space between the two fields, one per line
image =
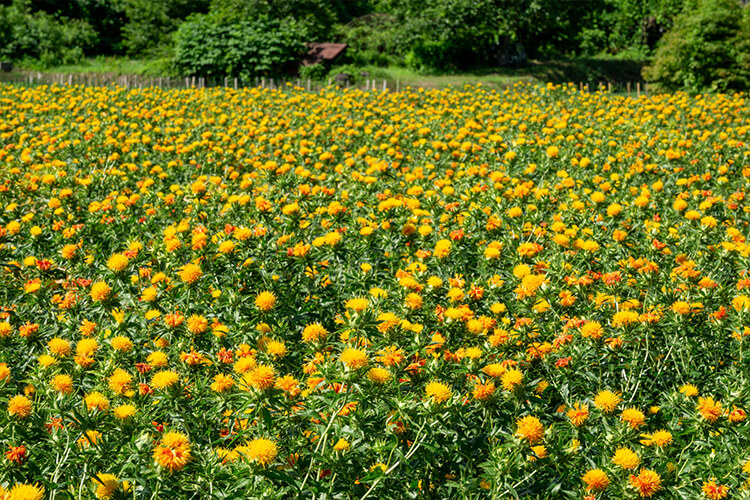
x=343 y=290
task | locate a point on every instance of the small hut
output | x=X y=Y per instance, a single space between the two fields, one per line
x=322 y=53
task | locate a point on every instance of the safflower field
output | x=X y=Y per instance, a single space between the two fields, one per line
x=534 y=292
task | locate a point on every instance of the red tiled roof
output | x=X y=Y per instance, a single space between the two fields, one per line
x=317 y=52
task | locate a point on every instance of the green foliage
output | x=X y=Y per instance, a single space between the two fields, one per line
x=106 y=17
x=452 y=34
x=371 y=39
x=211 y=47
x=360 y=74
x=459 y=34
x=316 y=17
x=634 y=25
x=707 y=49
x=313 y=72
x=151 y=24
x=551 y=30
x=427 y=36
x=41 y=36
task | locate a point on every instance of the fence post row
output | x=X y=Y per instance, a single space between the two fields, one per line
x=201 y=82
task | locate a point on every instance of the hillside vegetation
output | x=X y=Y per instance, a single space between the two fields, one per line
x=694 y=45
x=691 y=44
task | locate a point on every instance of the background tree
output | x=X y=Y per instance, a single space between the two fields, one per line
x=150 y=24
x=211 y=46
x=26 y=34
x=708 y=48
x=316 y=17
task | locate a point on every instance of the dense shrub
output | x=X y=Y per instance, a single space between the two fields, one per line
x=460 y=34
x=40 y=36
x=633 y=26
x=106 y=17
x=371 y=39
x=313 y=72
x=151 y=23
x=707 y=49
x=452 y=34
x=316 y=17
x=247 y=49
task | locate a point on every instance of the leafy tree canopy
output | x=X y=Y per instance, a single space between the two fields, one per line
x=708 y=48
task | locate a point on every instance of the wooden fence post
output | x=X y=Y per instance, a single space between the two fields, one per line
x=638 y=88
